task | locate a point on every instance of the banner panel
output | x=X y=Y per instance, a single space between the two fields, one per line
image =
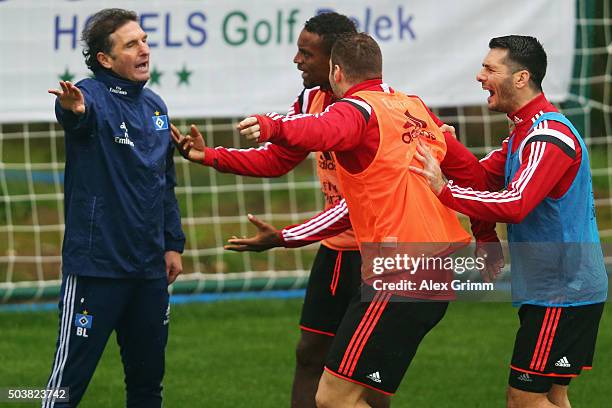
x=231 y=58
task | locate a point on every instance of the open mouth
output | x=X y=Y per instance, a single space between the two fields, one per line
x=143 y=67
x=491 y=94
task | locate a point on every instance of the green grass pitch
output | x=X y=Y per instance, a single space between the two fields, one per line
x=241 y=354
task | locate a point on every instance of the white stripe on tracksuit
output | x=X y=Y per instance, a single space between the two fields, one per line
x=61 y=355
x=317 y=224
x=515 y=192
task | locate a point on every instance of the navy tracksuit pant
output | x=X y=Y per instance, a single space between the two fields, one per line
x=90 y=310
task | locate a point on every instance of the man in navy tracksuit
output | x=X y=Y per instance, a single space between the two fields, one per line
x=123 y=235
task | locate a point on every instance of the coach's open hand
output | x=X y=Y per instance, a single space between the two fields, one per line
x=190 y=147
x=431 y=168
x=70 y=97
x=267 y=237
x=250 y=128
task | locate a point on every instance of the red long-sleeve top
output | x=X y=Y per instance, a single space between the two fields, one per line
x=268 y=160
x=344 y=130
x=548 y=168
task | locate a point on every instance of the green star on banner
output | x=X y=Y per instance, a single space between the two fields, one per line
x=183 y=75
x=66 y=76
x=155 y=77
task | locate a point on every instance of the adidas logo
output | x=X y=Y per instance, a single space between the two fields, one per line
x=374 y=377
x=563 y=362
x=525 y=377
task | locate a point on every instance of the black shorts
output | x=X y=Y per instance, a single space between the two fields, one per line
x=553 y=345
x=377 y=340
x=334 y=279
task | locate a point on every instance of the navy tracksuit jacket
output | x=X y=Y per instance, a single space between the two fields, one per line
x=121 y=217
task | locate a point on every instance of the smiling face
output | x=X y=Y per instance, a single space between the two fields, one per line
x=129 y=57
x=312 y=60
x=497 y=78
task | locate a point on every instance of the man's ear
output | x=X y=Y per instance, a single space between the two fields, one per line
x=337 y=73
x=104 y=59
x=521 y=78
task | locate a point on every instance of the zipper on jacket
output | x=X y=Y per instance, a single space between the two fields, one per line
x=91 y=222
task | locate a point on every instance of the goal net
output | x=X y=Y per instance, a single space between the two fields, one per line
x=214 y=205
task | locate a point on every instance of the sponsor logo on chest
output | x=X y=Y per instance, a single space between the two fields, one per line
x=125 y=139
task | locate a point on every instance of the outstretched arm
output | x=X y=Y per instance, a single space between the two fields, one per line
x=461 y=166
x=543 y=166
x=329 y=223
x=267 y=237
x=265 y=161
x=341 y=127
x=69 y=97
x=72 y=108
x=326 y=224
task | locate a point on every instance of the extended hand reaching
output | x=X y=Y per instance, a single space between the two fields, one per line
x=70 y=97
x=190 y=147
x=267 y=237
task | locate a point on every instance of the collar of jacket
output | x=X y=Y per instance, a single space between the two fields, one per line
x=119 y=86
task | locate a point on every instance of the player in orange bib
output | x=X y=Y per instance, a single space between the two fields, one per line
x=372 y=131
